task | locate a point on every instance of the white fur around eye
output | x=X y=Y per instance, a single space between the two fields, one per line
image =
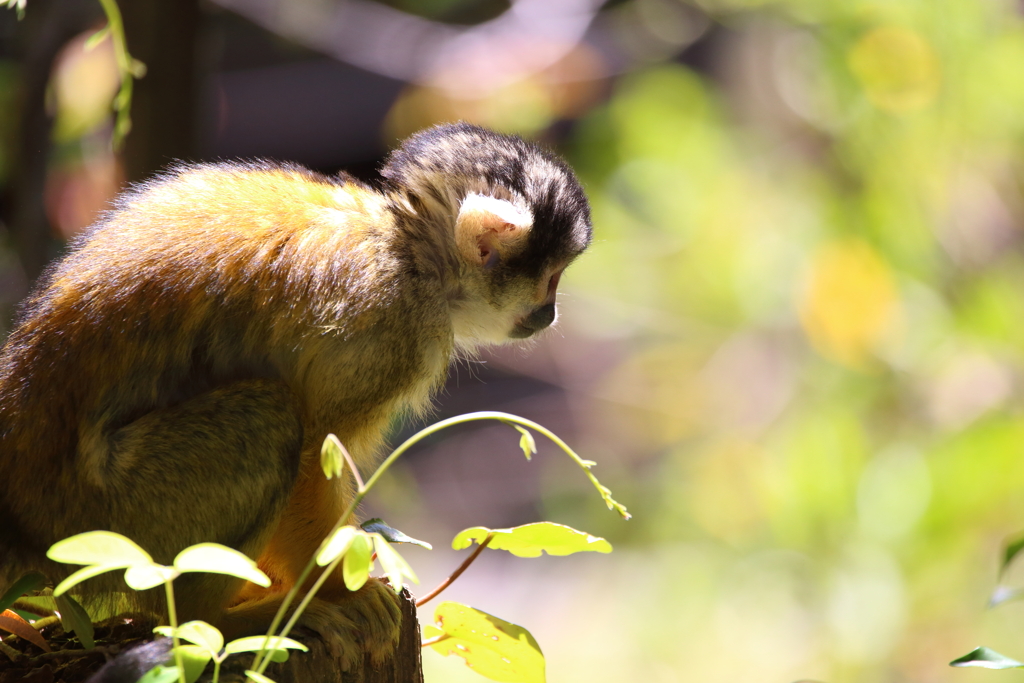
x=503 y=209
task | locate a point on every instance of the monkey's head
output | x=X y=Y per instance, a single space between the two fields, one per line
x=515 y=214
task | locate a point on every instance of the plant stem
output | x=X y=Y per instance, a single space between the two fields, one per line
x=172 y=616
x=457 y=573
x=128 y=68
x=352 y=466
x=436 y=639
x=507 y=418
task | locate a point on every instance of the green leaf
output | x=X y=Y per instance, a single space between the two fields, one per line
x=26 y=584
x=160 y=674
x=145 y=576
x=97 y=38
x=258 y=677
x=493 y=647
x=530 y=540
x=198 y=633
x=1012 y=549
x=355 y=568
x=194 y=659
x=99 y=548
x=393 y=564
x=220 y=559
x=526 y=442
x=390 y=534
x=331 y=459
x=255 y=644
x=81 y=575
x=17 y=5
x=73 y=617
x=337 y=546
x=39 y=604
x=987 y=659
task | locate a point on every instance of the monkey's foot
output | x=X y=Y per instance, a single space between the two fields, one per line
x=354 y=624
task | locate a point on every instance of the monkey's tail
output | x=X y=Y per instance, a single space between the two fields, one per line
x=129 y=666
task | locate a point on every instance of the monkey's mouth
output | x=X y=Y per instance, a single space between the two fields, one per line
x=536 y=321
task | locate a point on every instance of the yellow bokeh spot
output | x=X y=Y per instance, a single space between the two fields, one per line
x=84 y=82
x=726 y=497
x=897 y=68
x=522 y=107
x=850 y=303
x=655 y=397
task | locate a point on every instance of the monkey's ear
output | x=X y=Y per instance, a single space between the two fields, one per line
x=487 y=227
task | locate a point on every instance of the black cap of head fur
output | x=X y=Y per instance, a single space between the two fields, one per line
x=448 y=161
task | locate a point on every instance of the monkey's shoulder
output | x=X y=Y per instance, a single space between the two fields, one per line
x=231 y=221
x=254 y=200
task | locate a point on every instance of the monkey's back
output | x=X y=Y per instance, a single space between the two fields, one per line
x=210 y=275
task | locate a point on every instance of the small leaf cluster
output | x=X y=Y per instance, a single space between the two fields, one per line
x=987 y=658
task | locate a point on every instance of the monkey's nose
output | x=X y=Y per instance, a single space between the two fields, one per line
x=540 y=318
x=535 y=322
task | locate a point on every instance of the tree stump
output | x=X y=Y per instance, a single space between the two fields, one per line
x=22 y=662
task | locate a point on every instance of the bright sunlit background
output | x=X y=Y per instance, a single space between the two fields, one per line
x=795 y=347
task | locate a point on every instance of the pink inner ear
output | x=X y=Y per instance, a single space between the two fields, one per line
x=489 y=255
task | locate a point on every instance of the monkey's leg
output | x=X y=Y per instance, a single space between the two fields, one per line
x=218 y=467
x=366 y=621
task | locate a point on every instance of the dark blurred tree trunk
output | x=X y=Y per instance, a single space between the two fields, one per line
x=163 y=34
x=48 y=26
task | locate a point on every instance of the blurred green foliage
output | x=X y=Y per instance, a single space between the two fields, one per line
x=815 y=259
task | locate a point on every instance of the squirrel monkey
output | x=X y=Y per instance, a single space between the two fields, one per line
x=173 y=377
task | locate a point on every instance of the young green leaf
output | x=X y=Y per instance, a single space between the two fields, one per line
x=530 y=540
x=493 y=647
x=526 y=442
x=81 y=575
x=390 y=534
x=393 y=564
x=255 y=644
x=331 y=459
x=220 y=559
x=1012 y=549
x=160 y=674
x=73 y=617
x=101 y=548
x=987 y=659
x=141 y=577
x=337 y=546
x=355 y=568
x=194 y=659
x=258 y=677
x=198 y=633
x=26 y=584
x=17 y=5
